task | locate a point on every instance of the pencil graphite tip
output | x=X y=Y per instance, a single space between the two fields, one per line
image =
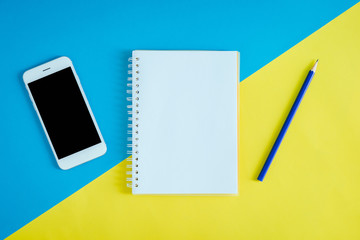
x=315 y=66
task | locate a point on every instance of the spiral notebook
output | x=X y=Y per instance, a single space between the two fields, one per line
x=183 y=122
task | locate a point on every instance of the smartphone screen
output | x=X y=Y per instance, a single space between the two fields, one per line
x=64 y=113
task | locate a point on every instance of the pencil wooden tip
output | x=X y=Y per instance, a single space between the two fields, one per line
x=315 y=66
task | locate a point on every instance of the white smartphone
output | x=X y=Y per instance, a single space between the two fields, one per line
x=64 y=112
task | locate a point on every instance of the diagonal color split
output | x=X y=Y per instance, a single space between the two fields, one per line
x=312 y=188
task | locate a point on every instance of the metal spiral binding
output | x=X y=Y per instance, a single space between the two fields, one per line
x=133 y=128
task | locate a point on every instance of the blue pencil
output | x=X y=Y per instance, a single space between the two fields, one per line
x=287 y=122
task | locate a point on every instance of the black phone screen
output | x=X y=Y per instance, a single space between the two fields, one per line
x=64 y=113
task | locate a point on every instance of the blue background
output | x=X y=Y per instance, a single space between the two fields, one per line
x=99 y=36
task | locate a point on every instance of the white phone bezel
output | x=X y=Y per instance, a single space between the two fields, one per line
x=85 y=154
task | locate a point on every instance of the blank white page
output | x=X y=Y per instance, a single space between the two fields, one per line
x=185 y=131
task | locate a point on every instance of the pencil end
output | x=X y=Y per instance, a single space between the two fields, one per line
x=315 y=66
x=261 y=176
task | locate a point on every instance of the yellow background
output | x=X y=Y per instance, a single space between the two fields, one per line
x=312 y=190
